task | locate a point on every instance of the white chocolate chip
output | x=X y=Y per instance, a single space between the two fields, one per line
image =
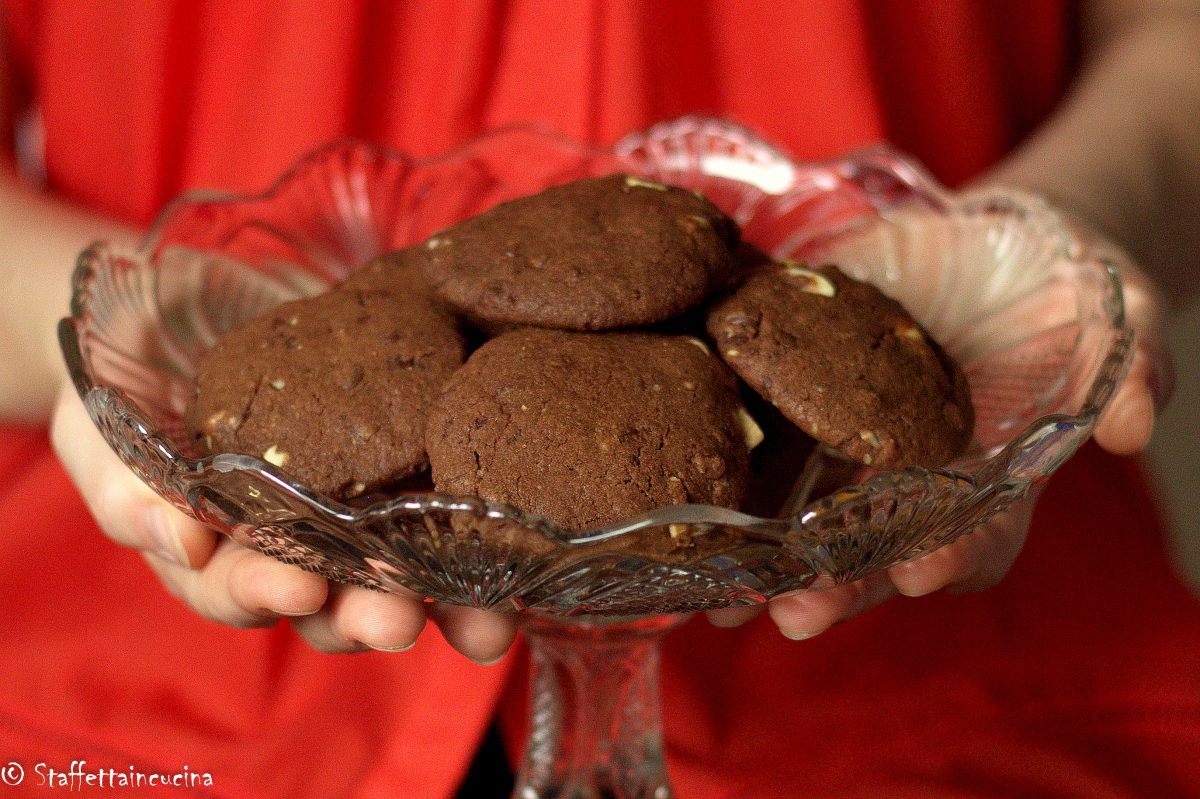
x=814 y=282
x=679 y=533
x=732 y=353
x=689 y=385
x=751 y=432
x=218 y=419
x=695 y=342
x=631 y=182
x=356 y=490
x=872 y=440
x=909 y=331
x=294 y=320
x=435 y=242
x=275 y=456
x=277 y=384
x=656 y=388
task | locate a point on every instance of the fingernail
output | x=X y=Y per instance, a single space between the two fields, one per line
x=798 y=635
x=161 y=536
x=491 y=662
x=403 y=648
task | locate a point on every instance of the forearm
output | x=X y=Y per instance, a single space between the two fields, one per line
x=40 y=238
x=1123 y=151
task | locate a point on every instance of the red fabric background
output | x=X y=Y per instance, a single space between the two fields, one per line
x=1080 y=675
x=144 y=100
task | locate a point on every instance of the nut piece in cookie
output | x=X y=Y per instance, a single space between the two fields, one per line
x=591 y=429
x=593 y=254
x=846 y=364
x=332 y=389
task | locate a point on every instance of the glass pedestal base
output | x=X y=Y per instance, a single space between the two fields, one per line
x=595 y=721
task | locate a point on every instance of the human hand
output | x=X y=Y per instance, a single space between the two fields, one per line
x=981 y=559
x=230 y=584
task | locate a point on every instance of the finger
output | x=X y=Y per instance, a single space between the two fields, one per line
x=355 y=619
x=734 y=617
x=1126 y=424
x=809 y=613
x=482 y=635
x=318 y=630
x=124 y=507
x=242 y=587
x=1145 y=311
x=975 y=561
x=1008 y=531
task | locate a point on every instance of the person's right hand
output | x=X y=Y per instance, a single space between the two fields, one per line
x=228 y=583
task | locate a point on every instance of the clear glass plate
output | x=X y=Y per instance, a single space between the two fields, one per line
x=997 y=277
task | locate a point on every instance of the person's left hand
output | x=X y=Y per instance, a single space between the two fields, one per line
x=980 y=559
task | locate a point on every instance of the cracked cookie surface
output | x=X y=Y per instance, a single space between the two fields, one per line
x=590 y=429
x=594 y=254
x=845 y=363
x=333 y=389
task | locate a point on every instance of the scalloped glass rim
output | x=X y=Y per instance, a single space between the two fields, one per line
x=993 y=479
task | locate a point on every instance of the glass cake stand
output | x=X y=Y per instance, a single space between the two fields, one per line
x=996 y=277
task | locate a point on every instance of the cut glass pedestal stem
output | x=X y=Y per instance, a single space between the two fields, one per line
x=595 y=720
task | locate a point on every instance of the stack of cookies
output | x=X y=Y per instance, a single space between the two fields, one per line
x=622 y=324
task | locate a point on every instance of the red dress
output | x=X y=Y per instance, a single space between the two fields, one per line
x=1079 y=675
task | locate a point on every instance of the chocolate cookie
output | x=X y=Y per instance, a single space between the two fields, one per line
x=594 y=254
x=333 y=389
x=398 y=271
x=591 y=429
x=847 y=364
